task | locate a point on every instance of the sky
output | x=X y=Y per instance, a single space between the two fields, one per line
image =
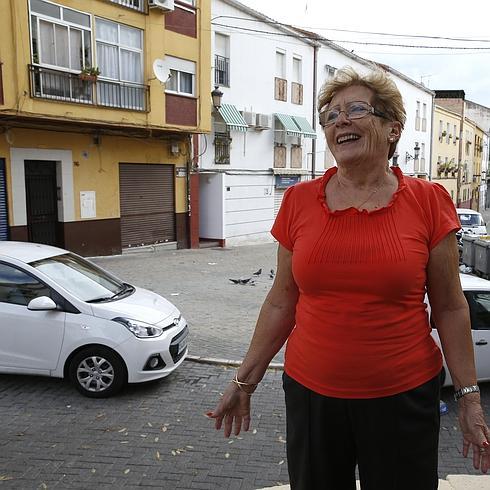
x=436 y=68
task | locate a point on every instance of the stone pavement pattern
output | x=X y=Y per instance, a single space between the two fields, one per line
x=156 y=435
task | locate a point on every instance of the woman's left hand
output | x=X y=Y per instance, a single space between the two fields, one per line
x=475 y=432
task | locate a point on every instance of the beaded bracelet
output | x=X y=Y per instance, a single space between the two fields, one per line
x=241 y=385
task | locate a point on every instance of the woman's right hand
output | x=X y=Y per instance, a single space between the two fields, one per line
x=234 y=409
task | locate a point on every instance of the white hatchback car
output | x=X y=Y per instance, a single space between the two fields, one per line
x=63 y=316
x=472 y=222
x=477 y=292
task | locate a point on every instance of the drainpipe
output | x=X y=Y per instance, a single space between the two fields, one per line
x=431 y=133
x=314 y=118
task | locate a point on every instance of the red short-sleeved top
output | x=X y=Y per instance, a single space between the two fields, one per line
x=361 y=325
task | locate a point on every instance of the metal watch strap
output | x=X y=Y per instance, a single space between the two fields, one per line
x=465 y=390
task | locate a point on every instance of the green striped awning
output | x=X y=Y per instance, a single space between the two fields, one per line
x=233 y=119
x=289 y=125
x=305 y=126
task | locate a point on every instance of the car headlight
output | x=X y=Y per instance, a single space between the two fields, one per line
x=141 y=330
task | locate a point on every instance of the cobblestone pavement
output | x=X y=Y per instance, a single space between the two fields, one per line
x=156 y=435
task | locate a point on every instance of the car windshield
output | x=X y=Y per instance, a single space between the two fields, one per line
x=80 y=277
x=471 y=220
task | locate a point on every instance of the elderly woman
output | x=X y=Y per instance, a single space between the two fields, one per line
x=358 y=250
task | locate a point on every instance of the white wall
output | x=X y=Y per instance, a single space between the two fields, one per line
x=248 y=183
x=249 y=208
x=211 y=216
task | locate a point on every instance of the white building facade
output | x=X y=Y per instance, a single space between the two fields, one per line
x=265 y=136
x=262 y=134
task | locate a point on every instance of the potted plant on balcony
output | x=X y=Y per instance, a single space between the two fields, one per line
x=89 y=73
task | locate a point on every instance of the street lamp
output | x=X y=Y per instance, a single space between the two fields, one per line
x=416 y=152
x=216 y=95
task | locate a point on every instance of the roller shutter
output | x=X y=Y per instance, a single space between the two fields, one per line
x=278 y=195
x=147 y=197
x=3 y=202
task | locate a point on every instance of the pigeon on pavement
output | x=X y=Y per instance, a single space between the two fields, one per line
x=257 y=273
x=242 y=280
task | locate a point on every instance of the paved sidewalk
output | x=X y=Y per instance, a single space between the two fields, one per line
x=453 y=482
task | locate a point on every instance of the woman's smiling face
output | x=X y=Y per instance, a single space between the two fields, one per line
x=357 y=140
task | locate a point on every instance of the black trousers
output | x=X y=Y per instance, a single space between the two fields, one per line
x=393 y=440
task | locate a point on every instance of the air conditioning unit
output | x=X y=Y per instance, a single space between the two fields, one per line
x=263 y=121
x=165 y=5
x=249 y=117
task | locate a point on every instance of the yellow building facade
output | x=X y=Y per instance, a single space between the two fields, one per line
x=99 y=102
x=467 y=164
x=445 y=149
x=477 y=166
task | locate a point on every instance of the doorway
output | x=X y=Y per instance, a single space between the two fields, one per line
x=41 y=201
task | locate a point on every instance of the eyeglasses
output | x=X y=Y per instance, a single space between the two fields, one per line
x=353 y=110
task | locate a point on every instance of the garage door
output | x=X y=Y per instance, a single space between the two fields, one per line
x=3 y=202
x=147 y=197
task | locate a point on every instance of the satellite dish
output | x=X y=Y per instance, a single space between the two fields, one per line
x=161 y=70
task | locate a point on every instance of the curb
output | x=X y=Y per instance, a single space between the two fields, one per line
x=229 y=362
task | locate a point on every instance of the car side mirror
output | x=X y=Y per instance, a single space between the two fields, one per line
x=43 y=303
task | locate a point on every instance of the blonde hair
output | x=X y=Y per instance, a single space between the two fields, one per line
x=387 y=97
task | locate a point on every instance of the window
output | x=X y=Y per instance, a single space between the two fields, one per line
x=479 y=303
x=424 y=117
x=280 y=82
x=297 y=69
x=329 y=71
x=280 y=64
x=182 y=74
x=296 y=85
x=422 y=157
x=448 y=129
x=440 y=130
x=132 y=4
x=120 y=61
x=221 y=60
x=19 y=288
x=60 y=36
x=455 y=134
x=61 y=45
x=417 y=116
x=222 y=144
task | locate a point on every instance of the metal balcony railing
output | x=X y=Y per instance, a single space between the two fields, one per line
x=46 y=83
x=139 y=5
x=222 y=148
x=221 y=71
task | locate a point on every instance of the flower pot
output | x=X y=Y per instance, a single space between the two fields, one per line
x=87 y=77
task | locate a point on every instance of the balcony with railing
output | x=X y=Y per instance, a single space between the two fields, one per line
x=221 y=71
x=139 y=5
x=222 y=142
x=46 y=83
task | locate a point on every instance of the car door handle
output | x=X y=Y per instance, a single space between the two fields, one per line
x=481 y=342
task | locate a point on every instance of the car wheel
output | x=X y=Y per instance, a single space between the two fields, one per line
x=97 y=372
